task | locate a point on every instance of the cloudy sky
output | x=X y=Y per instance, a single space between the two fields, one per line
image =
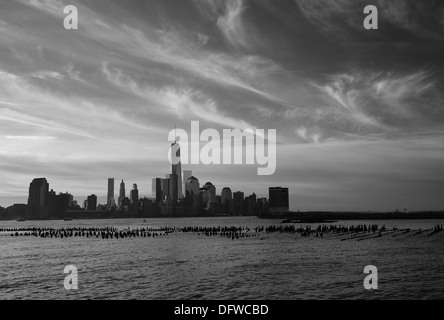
x=359 y=113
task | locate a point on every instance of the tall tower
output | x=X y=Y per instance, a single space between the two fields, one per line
x=121 y=192
x=186 y=174
x=134 y=195
x=157 y=189
x=110 y=197
x=176 y=169
x=227 y=200
x=191 y=187
x=278 y=200
x=38 y=199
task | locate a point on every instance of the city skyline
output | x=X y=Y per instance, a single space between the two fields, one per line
x=358 y=112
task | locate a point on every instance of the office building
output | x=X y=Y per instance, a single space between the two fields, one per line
x=166 y=188
x=278 y=200
x=210 y=193
x=186 y=175
x=121 y=193
x=177 y=170
x=38 y=199
x=110 y=197
x=92 y=202
x=227 y=200
x=238 y=203
x=134 y=195
x=173 y=193
x=191 y=187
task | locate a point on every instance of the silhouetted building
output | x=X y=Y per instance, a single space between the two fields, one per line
x=126 y=202
x=250 y=205
x=166 y=188
x=173 y=195
x=134 y=195
x=38 y=199
x=191 y=186
x=177 y=170
x=278 y=200
x=186 y=175
x=92 y=202
x=110 y=197
x=52 y=204
x=157 y=189
x=210 y=192
x=16 y=211
x=227 y=200
x=238 y=203
x=262 y=206
x=121 y=193
x=63 y=203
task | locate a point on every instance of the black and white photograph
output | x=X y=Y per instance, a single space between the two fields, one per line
x=221 y=150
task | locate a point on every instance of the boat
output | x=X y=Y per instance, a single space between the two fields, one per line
x=21 y=219
x=67 y=219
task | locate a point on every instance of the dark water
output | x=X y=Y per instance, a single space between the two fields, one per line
x=192 y=266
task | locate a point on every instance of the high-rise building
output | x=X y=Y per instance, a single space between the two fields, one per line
x=157 y=189
x=38 y=199
x=191 y=187
x=186 y=175
x=250 y=205
x=110 y=198
x=177 y=170
x=226 y=200
x=278 y=200
x=165 y=188
x=121 y=193
x=210 y=193
x=238 y=203
x=173 y=196
x=134 y=195
x=52 y=204
x=63 y=202
x=92 y=202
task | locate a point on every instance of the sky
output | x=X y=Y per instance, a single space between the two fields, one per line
x=359 y=113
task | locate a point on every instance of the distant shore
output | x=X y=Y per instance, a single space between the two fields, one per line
x=303 y=217
x=326 y=216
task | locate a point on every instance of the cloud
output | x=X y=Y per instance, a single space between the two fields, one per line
x=381 y=103
x=186 y=103
x=228 y=15
x=29 y=137
x=231 y=23
x=48 y=75
x=400 y=20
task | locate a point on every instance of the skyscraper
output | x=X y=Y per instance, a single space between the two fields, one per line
x=165 y=188
x=121 y=192
x=52 y=204
x=186 y=175
x=177 y=170
x=157 y=189
x=227 y=200
x=278 y=200
x=191 y=187
x=110 y=198
x=210 y=193
x=92 y=202
x=134 y=195
x=173 y=187
x=238 y=203
x=38 y=199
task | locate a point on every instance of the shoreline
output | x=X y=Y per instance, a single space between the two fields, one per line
x=291 y=217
